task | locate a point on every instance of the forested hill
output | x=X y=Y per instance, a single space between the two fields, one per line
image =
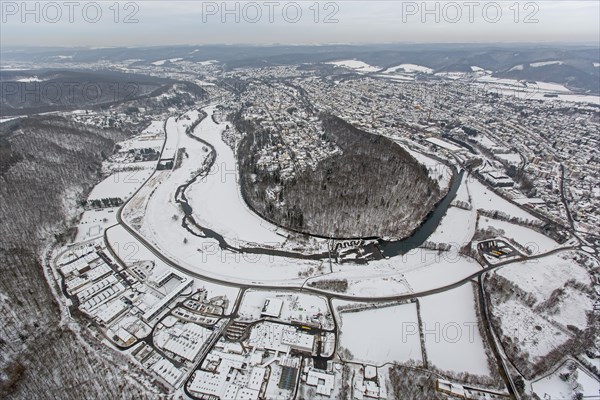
x=45 y=165
x=374 y=188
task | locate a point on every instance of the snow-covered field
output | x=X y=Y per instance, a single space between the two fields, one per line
x=382 y=335
x=541 y=276
x=485 y=141
x=544 y=63
x=172 y=140
x=534 y=334
x=456 y=228
x=123 y=183
x=554 y=387
x=526 y=237
x=216 y=199
x=409 y=68
x=94 y=222
x=462 y=194
x=484 y=198
x=162 y=62
x=452 y=338
x=357 y=65
x=536 y=91
x=540 y=324
x=397 y=77
x=416 y=271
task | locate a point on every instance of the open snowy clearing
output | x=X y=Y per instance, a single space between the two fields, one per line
x=541 y=276
x=397 y=77
x=443 y=144
x=418 y=270
x=94 y=222
x=524 y=236
x=534 y=334
x=451 y=332
x=486 y=199
x=463 y=194
x=534 y=91
x=553 y=387
x=409 y=68
x=172 y=139
x=456 y=228
x=122 y=184
x=381 y=335
x=357 y=65
x=512 y=158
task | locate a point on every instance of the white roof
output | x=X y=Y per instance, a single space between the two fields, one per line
x=324 y=382
x=272 y=307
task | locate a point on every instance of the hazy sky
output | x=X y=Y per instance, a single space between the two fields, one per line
x=151 y=22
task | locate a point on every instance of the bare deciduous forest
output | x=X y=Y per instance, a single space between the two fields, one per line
x=45 y=166
x=375 y=188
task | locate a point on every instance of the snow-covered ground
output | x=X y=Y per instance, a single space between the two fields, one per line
x=162 y=62
x=438 y=171
x=207 y=62
x=94 y=222
x=397 y=77
x=456 y=228
x=216 y=199
x=172 y=141
x=485 y=141
x=123 y=183
x=541 y=276
x=462 y=194
x=512 y=158
x=7 y=119
x=416 y=271
x=539 y=323
x=382 y=335
x=299 y=307
x=409 y=68
x=524 y=236
x=130 y=251
x=452 y=338
x=484 y=198
x=356 y=65
x=537 y=90
x=554 y=387
x=30 y=79
x=534 y=334
x=544 y=63
x=444 y=144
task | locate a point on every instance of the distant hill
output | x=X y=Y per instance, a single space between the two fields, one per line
x=27 y=92
x=562 y=73
x=577 y=70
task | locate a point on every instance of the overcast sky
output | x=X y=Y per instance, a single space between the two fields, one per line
x=153 y=22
